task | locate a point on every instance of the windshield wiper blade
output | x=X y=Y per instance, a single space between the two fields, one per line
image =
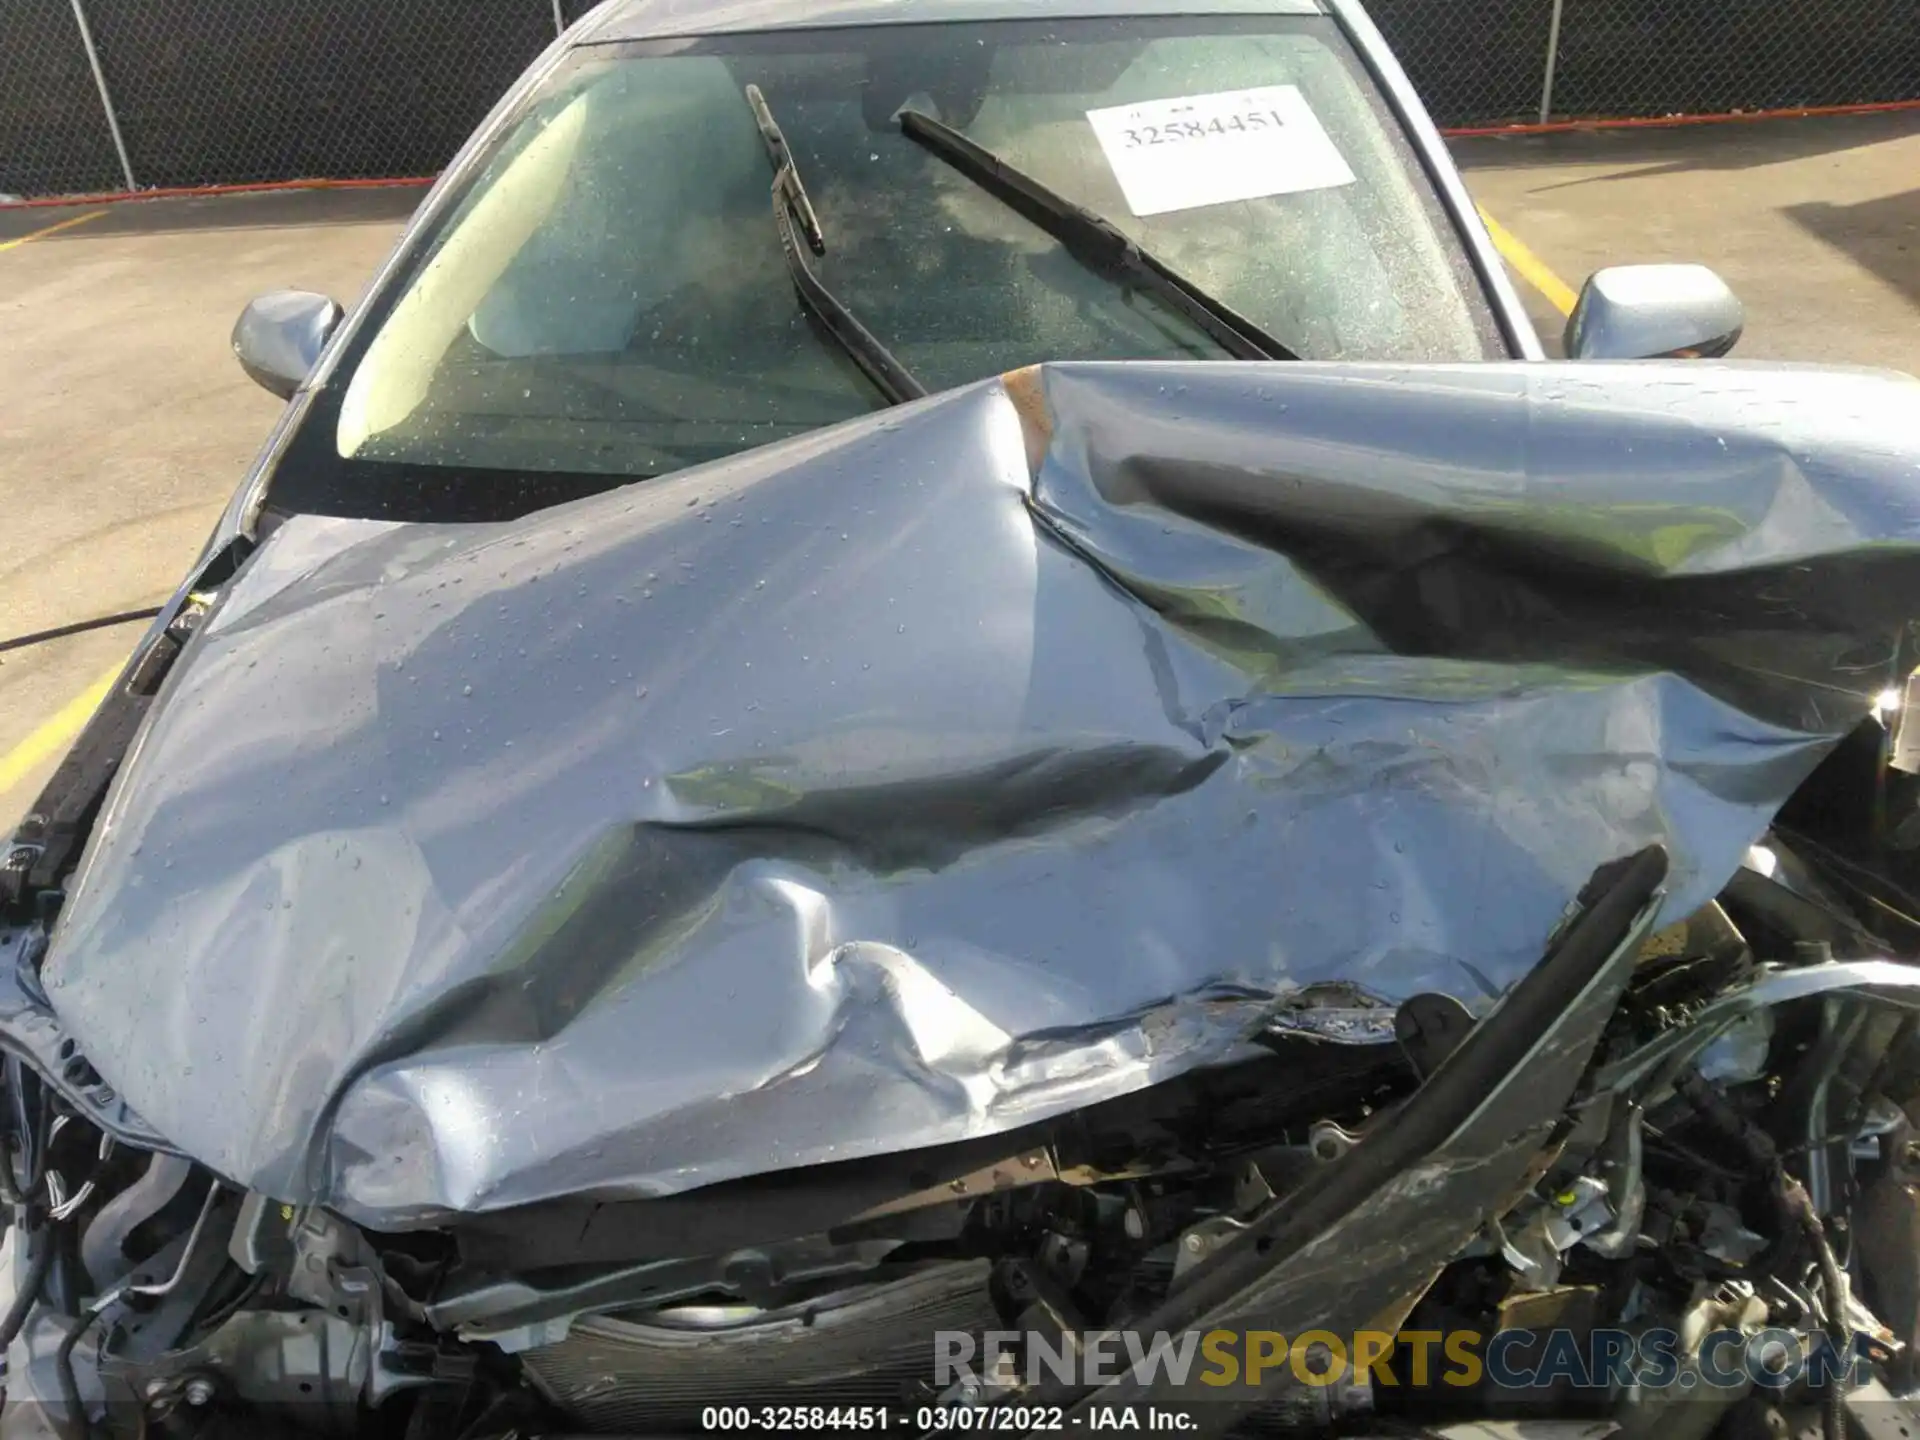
x=1093 y=239
x=790 y=202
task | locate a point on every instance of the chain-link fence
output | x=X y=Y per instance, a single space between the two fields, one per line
x=234 y=91
x=1471 y=60
x=212 y=92
x=1695 y=57
x=53 y=131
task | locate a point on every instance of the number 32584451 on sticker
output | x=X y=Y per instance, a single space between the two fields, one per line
x=1194 y=150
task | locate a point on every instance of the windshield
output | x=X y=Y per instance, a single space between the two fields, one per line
x=609 y=298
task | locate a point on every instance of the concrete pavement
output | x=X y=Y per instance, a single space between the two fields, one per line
x=125 y=423
x=1815 y=223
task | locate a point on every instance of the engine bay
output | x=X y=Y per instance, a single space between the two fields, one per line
x=1741 y=1138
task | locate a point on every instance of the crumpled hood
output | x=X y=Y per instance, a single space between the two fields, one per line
x=947 y=770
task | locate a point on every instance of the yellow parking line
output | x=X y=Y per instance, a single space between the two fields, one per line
x=57 y=732
x=65 y=224
x=1530 y=266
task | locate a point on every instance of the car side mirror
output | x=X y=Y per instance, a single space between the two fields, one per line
x=280 y=335
x=1649 y=312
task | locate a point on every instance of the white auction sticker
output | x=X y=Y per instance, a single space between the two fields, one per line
x=1195 y=150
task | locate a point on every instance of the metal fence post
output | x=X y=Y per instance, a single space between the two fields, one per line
x=1553 y=62
x=106 y=96
x=559 y=18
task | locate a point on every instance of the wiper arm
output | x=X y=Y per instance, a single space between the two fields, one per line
x=790 y=202
x=1094 y=240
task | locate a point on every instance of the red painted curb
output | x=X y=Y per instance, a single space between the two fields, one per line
x=1669 y=122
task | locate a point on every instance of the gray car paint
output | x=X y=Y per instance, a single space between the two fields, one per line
x=666 y=19
x=950 y=769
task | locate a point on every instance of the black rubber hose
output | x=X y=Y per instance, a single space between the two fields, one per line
x=23 y=1303
x=78 y=627
x=77 y=1426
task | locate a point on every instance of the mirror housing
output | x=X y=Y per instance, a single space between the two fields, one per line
x=280 y=335
x=1651 y=312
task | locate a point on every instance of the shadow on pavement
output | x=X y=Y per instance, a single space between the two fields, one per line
x=1882 y=236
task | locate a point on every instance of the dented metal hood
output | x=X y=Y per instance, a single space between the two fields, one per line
x=946 y=770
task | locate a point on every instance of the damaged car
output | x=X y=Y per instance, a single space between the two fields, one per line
x=737 y=841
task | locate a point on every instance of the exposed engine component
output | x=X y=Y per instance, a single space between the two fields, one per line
x=1668 y=1207
x=654 y=1373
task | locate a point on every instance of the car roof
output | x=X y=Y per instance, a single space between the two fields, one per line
x=662 y=19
